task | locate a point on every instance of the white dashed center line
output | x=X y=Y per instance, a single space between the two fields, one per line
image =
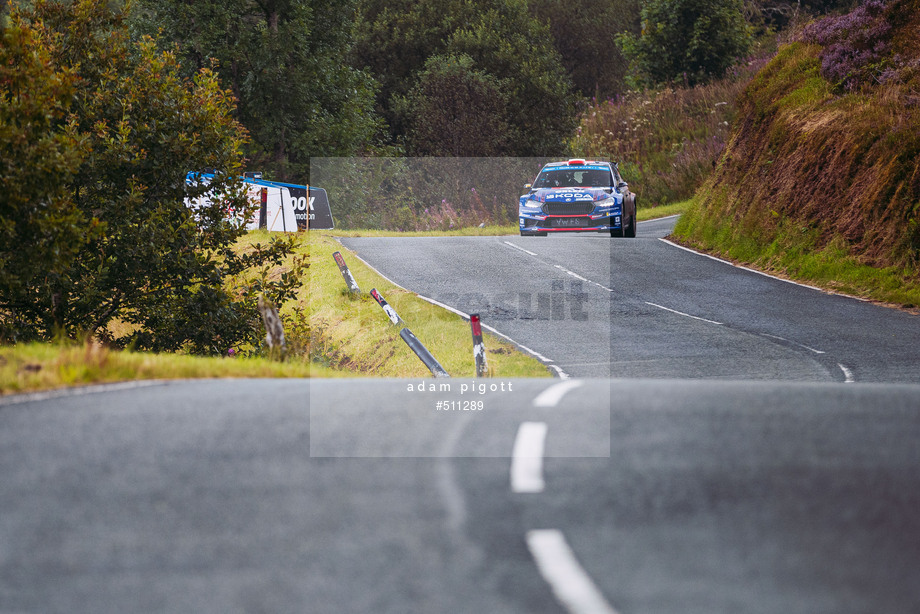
x=847 y=374
x=580 y=278
x=686 y=315
x=527 y=458
x=526 y=251
x=568 y=579
x=552 y=395
x=810 y=349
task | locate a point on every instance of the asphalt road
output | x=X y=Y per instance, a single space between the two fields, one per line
x=661 y=478
x=601 y=307
x=654 y=496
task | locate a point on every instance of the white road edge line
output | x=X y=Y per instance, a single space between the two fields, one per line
x=847 y=374
x=527 y=458
x=658 y=219
x=552 y=395
x=750 y=270
x=526 y=251
x=547 y=361
x=567 y=578
x=686 y=315
x=77 y=391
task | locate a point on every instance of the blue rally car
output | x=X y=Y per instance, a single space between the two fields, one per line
x=578 y=196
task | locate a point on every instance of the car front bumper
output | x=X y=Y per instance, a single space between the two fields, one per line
x=530 y=223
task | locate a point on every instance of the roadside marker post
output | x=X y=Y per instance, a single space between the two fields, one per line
x=422 y=352
x=274 y=331
x=479 y=349
x=387 y=308
x=349 y=278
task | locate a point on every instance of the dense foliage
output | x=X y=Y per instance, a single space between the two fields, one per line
x=584 y=32
x=688 y=41
x=856 y=46
x=495 y=51
x=285 y=61
x=455 y=110
x=98 y=133
x=815 y=168
x=425 y=193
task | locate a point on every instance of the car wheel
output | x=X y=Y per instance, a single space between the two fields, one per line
x=631 y=231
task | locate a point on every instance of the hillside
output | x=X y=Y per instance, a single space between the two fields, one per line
x=823 y=163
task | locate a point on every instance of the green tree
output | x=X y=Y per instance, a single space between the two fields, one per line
x=692 y=40
x=285 y=62
x=130 y=248
x=456 y=110
x=584 y=32
x=503 y=40
x=40 y=227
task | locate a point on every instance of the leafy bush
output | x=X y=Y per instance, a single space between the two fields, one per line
x=430 y=193
x=118 y=254
x=688 y=41
x=584 y=33
x=456 y=110
x=515 y=69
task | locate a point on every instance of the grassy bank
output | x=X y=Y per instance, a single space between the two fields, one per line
x=352 y=332
x=794 y=253
x=329 y=333
x=645 y=214
x=820 y=180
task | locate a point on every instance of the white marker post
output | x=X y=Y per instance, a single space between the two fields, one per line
x=479 y=349
x=387 y=308
x=349 y=278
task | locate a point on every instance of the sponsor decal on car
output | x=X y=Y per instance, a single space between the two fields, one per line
x=569 y=196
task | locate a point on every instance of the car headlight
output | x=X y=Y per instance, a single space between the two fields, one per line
x=607 y=203
x=531 y=204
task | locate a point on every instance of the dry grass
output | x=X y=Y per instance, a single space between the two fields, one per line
x=666 y=140
x=43 y=366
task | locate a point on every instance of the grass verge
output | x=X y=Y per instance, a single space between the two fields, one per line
x=42 y=366
x=794 y=254
x=351 y=333
x=645 y=214
x=474 y=231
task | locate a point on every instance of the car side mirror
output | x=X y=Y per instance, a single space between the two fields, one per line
x=527 y=186
x=621 y=186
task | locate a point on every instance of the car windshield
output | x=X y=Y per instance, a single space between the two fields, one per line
x=567 y=177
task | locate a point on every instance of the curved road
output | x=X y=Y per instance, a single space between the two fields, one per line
x=670 y=493
x=598 y=307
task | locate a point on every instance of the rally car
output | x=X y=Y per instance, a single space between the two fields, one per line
x=578 y=196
